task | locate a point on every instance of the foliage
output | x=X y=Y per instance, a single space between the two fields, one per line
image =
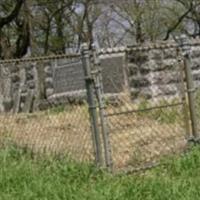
x=45 y=27
x=25 y=177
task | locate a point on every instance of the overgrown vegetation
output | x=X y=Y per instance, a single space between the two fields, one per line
x=24 y=177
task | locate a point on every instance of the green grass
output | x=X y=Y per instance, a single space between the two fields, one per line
x=23 y=177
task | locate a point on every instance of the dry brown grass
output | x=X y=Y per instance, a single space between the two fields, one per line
x=64 y=132
x=135 y=139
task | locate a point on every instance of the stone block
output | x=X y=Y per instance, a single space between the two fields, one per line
x=161 y=65
x=31 y=84
x=137 y=82
x=195 y=63
x=196 y=75
x=29 y=66
x=49 y=82
x=162 y=90
x=144 y=69
x=155 y=54
x=15 y=78
x=7 y=104
x=48 y=71
x=164 y=77
x=14 y=68
x=195 y=52
x=133 y=69
x=49 y=91
x=138 y=58
x=169 y=53
x=29 y=76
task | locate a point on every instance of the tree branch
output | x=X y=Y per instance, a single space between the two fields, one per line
x=12 y=15
x=171 y=29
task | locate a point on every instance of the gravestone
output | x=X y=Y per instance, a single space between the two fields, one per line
x=113 y=66
x=68 y=76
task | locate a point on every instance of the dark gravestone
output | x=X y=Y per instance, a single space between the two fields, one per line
x=68 y=77
x=113 y=73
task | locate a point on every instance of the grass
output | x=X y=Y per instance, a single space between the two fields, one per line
x=23 y=177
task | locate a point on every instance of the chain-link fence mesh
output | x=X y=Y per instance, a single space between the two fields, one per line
x=44 y=107
x=125 y=108
x=146 y=119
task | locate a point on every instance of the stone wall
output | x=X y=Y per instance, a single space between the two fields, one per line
x=65 y=80
x=155 y=72
x=17 y=86
x=30 y=85
x=146 y=72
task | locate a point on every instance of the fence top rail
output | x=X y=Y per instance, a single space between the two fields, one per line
x=148 y=47
x=40 y=58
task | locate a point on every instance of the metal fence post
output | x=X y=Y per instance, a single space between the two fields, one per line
x=184 y=97
x=89 y=82
x=190 y=88
x=101 y=103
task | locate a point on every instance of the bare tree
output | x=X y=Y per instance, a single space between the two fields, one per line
x=17 y=22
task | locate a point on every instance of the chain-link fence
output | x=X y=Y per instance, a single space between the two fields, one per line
x=124 y=109
x=149 y=108
x=146 y=119
x=44 y=109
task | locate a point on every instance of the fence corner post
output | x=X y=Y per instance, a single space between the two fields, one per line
x=190 y=86
x=89 y=83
